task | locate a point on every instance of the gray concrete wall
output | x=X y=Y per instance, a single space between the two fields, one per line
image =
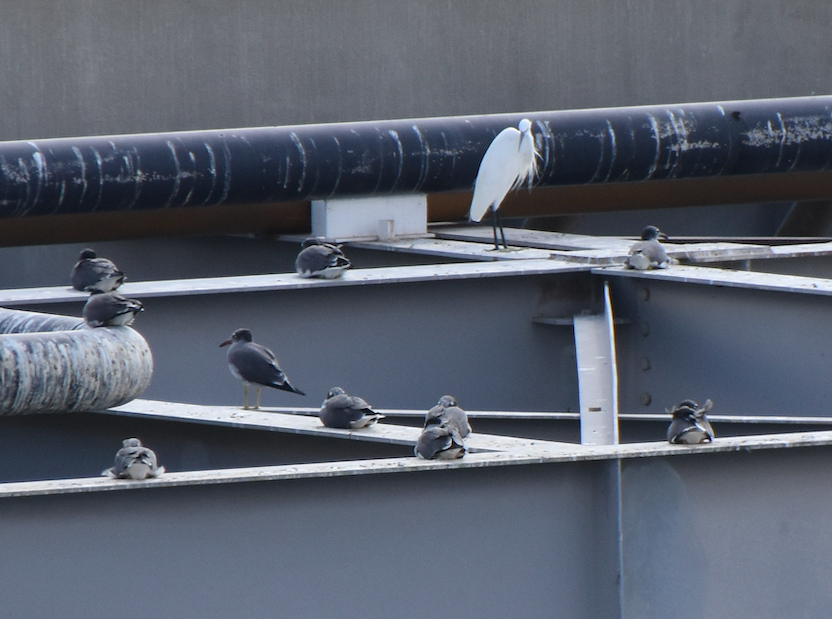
x=103 y=67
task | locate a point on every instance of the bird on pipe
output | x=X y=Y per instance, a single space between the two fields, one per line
x=134 y=461
x=508 y=163
x=253 y=363
x=92 y=273
x=108 y=309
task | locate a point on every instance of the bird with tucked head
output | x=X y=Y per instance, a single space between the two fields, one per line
x=690 y=426
x=345 y=411
x=321 y=259
x=92 y=273
x=134 y=461
x=447 y=411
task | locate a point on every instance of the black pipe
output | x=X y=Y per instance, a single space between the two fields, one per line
x=276 y=164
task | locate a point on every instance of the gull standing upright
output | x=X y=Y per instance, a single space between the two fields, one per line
x=253 y=363
x=648 y=253
x=690 y=426
x=134 y=461
x=447 y=411
x=91 y=273
x=508 y=163
x=320 y=259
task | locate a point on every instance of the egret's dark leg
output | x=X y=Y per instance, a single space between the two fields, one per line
x=502 y=232
x=494 y=226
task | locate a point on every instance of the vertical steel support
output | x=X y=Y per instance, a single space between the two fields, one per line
x=597 y=375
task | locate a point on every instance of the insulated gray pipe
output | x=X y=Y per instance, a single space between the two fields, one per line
x=52 y=363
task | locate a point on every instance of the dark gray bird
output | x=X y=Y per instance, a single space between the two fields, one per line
x=447 y=411
x=690 y=426
x=108 y=309
x=648 y=253
x=439 y=442
x=320 y=259
x=348 y=412
x=253 y=363
x=91 y=273
x=134 y=461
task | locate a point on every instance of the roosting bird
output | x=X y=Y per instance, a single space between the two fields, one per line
x=108 y=309
x=91 y=273
x=320 y=259
x=648 y=253
x=349 y=412
x=439 y=442
x=690 y=426
x=134 y=461
x=447 y=411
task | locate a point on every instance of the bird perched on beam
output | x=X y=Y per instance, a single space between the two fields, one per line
x=253 y=363
x=348 y=412
x=648 y=253
x=134 y=461
x=447 y=411
x=439 y=441
x=108 y=309
x=508 y=163
x=690 y=426
x=320 y=259
x=92 y=273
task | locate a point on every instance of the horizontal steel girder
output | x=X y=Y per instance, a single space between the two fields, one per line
x=623 y=149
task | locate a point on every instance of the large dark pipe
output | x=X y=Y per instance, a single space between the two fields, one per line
x=627 y=146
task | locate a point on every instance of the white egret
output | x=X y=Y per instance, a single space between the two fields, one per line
x=508 y=163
